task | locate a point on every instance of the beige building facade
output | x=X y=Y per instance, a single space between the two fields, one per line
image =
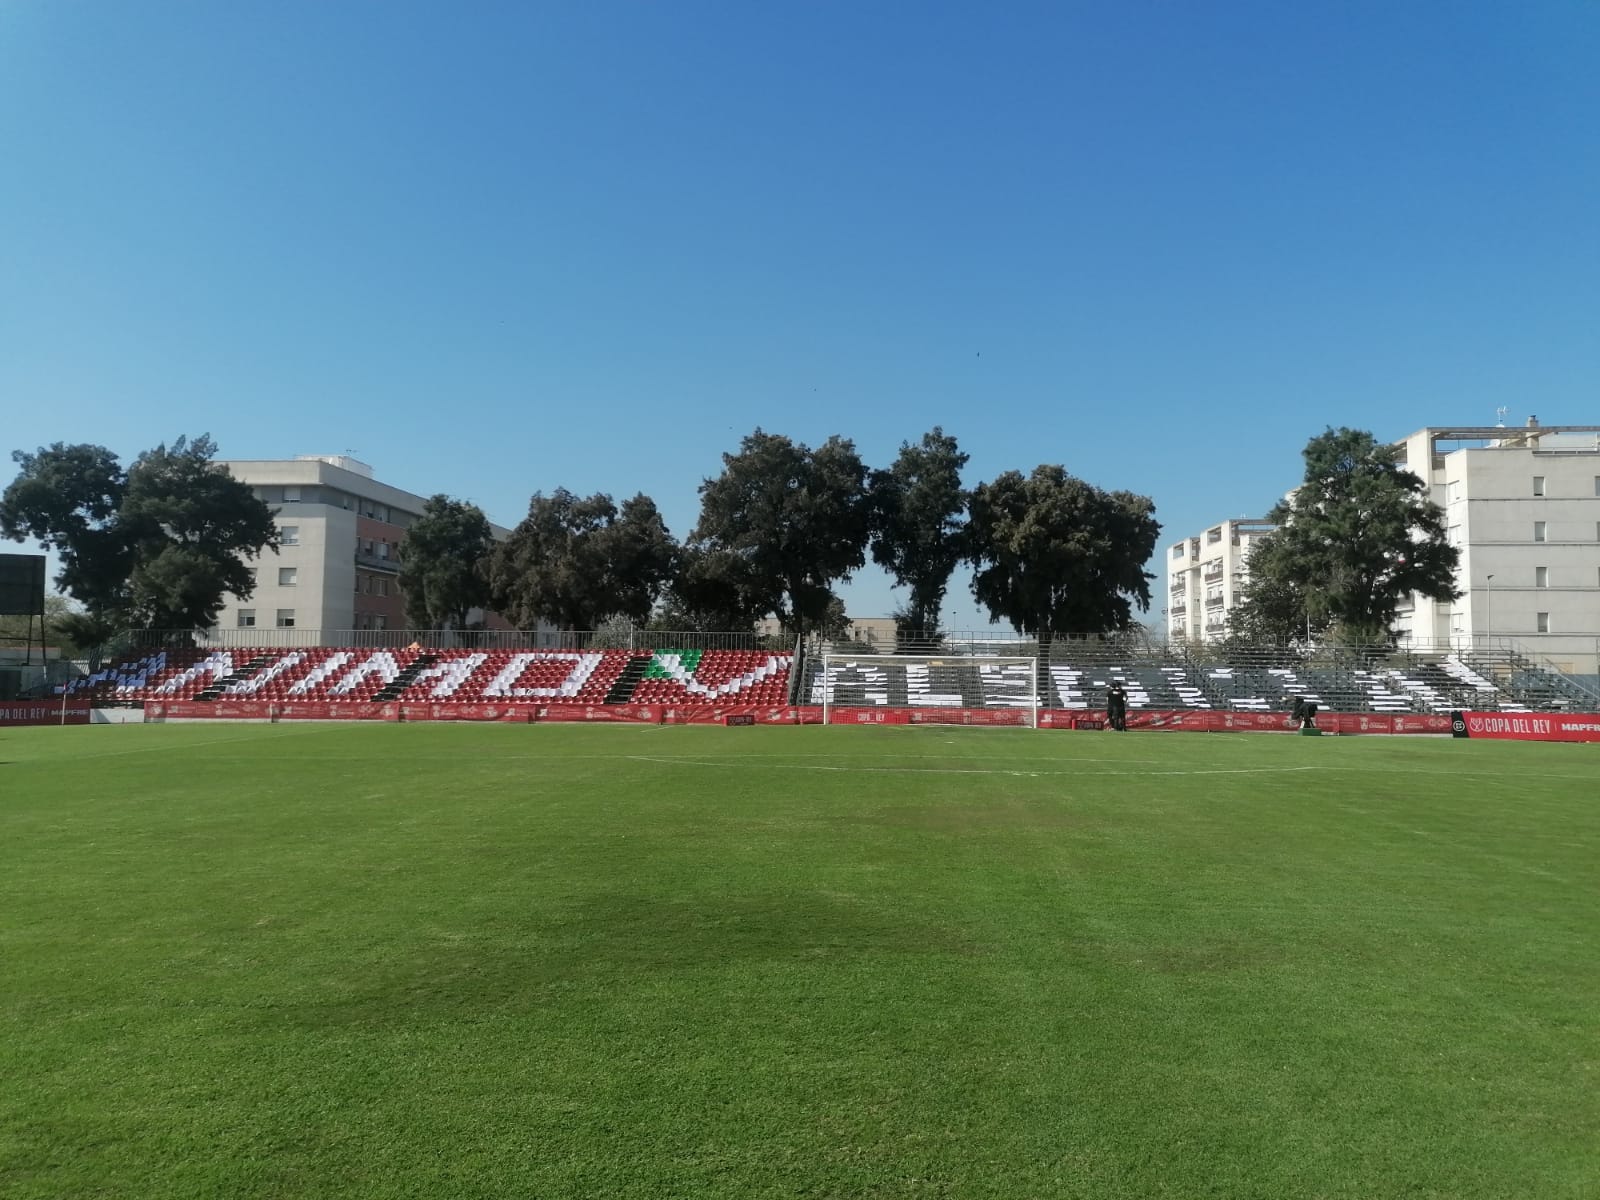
x=1523 y=507
x=338 y=568
x=1206 y=575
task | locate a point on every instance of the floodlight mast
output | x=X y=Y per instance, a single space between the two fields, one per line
x=1005 y=684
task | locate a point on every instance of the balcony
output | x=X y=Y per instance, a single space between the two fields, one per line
x=372 y=562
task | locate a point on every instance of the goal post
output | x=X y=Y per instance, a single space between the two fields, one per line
x=929 y=689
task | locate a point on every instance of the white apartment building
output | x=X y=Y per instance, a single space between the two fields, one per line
x=339 y=566
x=1205 y=576
x=1523 y=506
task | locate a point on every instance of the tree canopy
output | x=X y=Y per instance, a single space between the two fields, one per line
x=917 y=507
x=444 y=560
x=68 y=498
x=1358 y=535
x=155 y=547
x=713 y=591
x=1273 y=607
x=577 y=560
x=1052 y=554
x=798 y=518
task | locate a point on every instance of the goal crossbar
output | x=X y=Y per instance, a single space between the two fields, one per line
x=932 y=689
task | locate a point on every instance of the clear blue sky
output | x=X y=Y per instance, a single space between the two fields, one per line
x=498 y=248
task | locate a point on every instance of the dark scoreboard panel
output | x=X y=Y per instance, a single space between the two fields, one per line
x=21 y=585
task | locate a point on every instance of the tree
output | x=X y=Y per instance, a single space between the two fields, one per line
x=1359 y=535
x=192 y=526
x=713 y=591
x=575 y=561
x=68 y=498
x=640 y=556
x=1272 y=609
x=917 y=532
x=444 y=563
x=798 y=518
x=1052 y=554
x=157 y=547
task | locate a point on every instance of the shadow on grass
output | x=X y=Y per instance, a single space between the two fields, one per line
x=605 y=944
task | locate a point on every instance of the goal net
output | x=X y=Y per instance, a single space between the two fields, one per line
x=927 y=689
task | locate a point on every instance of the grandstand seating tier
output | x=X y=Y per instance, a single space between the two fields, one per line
x=335 y=674
x=1075 y=676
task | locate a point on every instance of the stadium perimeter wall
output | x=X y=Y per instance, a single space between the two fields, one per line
x=1179 y=720
x=1550 y=727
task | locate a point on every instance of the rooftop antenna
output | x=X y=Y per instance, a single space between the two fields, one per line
x=1501 y=413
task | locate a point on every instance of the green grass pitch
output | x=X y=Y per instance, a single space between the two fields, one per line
x=585 y=961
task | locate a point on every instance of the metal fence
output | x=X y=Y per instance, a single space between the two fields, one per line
x=615 y=638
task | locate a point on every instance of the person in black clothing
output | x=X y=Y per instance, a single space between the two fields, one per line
x=1303 y=712
x=1117 y=706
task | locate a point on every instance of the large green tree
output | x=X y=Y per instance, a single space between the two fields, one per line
x=1052 y=554
x=577 y=560
x=917 y=506
x=799 y=519
x=156 y=547
x=1273 y=607
x=444 y=560
x=68 y=498
x=1359 y=535
x=713 y=591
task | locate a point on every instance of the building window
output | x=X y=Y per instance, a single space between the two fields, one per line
x=288 y=576
x=383 y=550
x=291 y=495
x=378 y=622
x=1541 y=622
x=1597 y=485
x=1177 y=551
x=1541 y=577
x=1452 y=491
x=1538 y=485
x=383 y=586
x=1214 y=535
x=1538 y=531
x=247 y=618
x=1454 y=536
x=286 y=618
x=289 y=535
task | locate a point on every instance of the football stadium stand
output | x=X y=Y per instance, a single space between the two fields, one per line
x=1075 y=675
x=366 y=675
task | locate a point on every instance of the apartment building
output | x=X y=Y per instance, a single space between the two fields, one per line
x=1205 y=576
x=1523 y=506
x=339 y=566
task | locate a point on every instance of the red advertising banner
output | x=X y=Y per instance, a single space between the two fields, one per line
x=1550 y=727
x=1530 y=727
x=632 y=714
x=43 y=712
